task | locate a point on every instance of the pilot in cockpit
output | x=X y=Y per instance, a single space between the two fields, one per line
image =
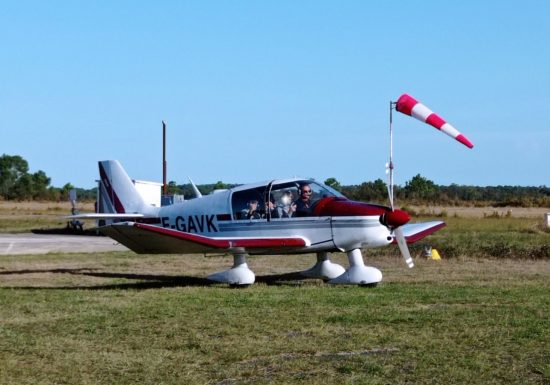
x=304 y=203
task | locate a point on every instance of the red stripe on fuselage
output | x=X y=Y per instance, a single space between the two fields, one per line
x=225 y=243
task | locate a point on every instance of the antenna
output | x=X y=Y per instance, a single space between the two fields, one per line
x=195 y=189
x=164 y=183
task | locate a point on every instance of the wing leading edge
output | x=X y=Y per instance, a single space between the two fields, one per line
x=148 y=239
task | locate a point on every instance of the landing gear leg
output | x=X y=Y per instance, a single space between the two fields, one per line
x=324 y=268
x=238 y=275
x=358 y=273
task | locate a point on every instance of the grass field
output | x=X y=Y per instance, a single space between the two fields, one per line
x=479 y=316
x=120 y=318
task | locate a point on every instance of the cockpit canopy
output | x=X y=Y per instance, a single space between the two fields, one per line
x=280 y=199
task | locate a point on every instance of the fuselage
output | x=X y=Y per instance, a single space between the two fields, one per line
x=264 y=210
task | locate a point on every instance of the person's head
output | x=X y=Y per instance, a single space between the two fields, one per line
x=305 y=191
x=253 y=204
x=286 y=198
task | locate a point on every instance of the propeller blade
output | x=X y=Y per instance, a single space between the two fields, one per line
x=402 y=243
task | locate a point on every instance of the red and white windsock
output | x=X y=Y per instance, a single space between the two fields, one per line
x=408 y=105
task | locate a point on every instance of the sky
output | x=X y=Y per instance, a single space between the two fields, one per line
x=257 y=90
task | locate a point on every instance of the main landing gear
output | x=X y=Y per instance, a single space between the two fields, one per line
x=238 y=275
x=324 y=268
x=356 y=274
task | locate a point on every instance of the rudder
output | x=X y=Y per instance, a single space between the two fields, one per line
x=117 y=191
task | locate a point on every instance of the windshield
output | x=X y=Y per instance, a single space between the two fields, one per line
x=296 y=199
x=280 y=200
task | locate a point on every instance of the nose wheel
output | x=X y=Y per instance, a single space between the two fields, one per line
x=358 y=273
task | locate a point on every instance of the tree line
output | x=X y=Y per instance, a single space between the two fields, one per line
x=17 y=183
x=418 y=190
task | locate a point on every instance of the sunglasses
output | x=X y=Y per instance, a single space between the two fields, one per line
x=306 y=192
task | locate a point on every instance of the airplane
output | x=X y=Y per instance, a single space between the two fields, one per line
x=238 y=221
x=282 y=216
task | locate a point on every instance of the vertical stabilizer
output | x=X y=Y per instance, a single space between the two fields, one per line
x=119 y=193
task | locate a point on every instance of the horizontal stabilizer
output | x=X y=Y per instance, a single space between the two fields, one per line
x=414 y=232
x=126 y=216
x=148 y=239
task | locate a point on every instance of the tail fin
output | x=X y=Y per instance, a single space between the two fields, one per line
x=117 y=191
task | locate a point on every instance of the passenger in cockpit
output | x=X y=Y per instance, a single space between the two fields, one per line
x=303 y=203
x=251 y=212
x=285 y=208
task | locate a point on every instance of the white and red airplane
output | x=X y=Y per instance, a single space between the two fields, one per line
x=238 y=221
x=288 y=216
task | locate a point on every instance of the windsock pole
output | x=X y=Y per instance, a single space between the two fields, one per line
x=389 y=166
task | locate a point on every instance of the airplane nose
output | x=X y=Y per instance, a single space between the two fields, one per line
x=395 y=218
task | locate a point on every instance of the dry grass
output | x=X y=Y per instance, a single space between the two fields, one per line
x=480 y=212
x=16 y=217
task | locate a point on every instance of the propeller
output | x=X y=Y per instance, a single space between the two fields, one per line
x=395 y=218
x=402 y=243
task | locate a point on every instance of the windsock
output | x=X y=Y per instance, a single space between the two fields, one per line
x=408 y=105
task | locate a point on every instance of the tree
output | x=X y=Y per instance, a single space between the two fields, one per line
x=17 y=183
x=173 y=188
x=12 y=168
x=40 y=183
x=420 y=188
x=220 y=185
x=65 y=191
x=332 y=182
x=22 y=189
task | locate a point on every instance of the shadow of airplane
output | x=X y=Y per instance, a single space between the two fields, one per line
x=148 y=281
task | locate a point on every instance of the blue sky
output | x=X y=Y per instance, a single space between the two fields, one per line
x=255 y=90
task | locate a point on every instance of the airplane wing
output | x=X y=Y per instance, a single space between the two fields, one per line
x=416 y=231
x=148 y=239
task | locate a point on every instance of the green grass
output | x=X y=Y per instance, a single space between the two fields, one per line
x=480 y=316
x=523 y=238
x=120 y=318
